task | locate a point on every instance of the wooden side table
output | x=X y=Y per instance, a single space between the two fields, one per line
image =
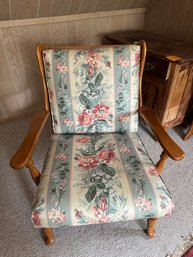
x=168 y=75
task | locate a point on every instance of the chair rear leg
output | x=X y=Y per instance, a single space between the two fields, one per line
x=151 y=227
x=48 y=236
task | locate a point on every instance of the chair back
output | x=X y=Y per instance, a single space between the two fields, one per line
x=92 y=88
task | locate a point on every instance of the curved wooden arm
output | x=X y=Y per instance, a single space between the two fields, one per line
x=24 y=153
x=169 y=146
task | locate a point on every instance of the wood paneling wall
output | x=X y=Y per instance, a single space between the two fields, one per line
x=25 y=9
x=20 y=82
x=171 y=18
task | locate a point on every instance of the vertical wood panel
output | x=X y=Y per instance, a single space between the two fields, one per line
x=45 y=34
x=15 y=64
x=187 y=27
x=117 y=23
x=172 y=18
x=134 y=21
x=74 y=6
x=72 y=32
x=178 y=9
x=26 y=40
x=99 y=27
x=83 y=32
x=44 y=8
x=24 y=9
x=124 y=4
x=4 y=10
x=9 y=95
x=86 y=6
x=159 y=17
x=59 y=7
x=104 y=5
x=59 y=33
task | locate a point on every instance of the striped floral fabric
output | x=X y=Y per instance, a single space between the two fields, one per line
x=98 y=178
x=93 y=90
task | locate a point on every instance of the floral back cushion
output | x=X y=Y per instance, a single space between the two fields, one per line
x=93 y=90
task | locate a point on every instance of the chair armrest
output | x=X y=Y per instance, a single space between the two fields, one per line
x=167 y=143
x=24 y=153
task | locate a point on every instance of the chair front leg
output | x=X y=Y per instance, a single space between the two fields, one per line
x=48 y=236
x=152 y=221
x=161 y=162
x=151 y=227
x=35 y=174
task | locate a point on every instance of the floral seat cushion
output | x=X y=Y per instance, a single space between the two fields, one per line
x=93 y=90
x=98 y=178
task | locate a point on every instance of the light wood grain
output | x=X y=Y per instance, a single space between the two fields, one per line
x=176 y=18
x=133 y=22
x=72 y=32
x=24 y=9
x=9 y=92
x=171 y=18
x=104 y=5
x=44 y=32
x=59 y=7
x=117 y=23
x=86 y=6
x=44 y=8
x=84 y=32
x=59 y=33
x=26 y=40
x=74 y=6
x=4 y=10
x=13 y=56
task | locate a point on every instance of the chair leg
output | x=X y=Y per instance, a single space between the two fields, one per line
x=161 y=162
x=151 y=227
x=48 y=236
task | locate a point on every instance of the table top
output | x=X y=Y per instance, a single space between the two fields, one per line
x=157 y=45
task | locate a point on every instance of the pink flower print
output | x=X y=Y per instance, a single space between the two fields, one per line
x=143 y=204
x=169 y=208
x=103 y=218
x=92 y=59
x=125 y=150
x=93 y=56
x=56 y=216
x=103 y=204
x=153 y=171
x=124 y=117
x=101 y=111
x=90 y=70
x=51 y=95
x=87 y=162
x=61 y=67
x=84 y=119
x=123 y=62
x=67 y=121
x=61 y=156
x=36 y=218
x=82 y=139
x=95 y=210
x=78 y=213
x=137 y=58
x=106 y=155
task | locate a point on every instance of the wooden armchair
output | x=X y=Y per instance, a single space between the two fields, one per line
x=96 y=169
